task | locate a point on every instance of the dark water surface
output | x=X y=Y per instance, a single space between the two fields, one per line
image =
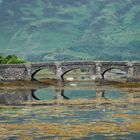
x=78 y=111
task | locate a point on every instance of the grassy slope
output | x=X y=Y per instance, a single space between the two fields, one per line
x=71 y=29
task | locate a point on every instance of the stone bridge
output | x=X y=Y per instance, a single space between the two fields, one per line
x=12 y=72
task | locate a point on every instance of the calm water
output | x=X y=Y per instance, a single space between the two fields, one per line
x=79 y=111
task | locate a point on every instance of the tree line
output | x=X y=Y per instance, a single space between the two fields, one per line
x=11 y=59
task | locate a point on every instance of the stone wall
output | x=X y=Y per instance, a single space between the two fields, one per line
x=12 y=74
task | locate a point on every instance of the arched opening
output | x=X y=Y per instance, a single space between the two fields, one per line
x=33 y=95
x=49 y=94
x=78 y=74
x=43 y=75
x=80 y=94
x=114 y=74
x=44 y=94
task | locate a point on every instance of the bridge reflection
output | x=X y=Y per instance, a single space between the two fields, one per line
x=15 y=97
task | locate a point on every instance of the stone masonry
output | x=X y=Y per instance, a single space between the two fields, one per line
x=26 y=72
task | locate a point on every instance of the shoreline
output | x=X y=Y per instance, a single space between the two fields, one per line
x=53 y=82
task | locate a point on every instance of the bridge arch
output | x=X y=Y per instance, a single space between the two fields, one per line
x=88 y=70
x=103 y=73
x=47 y=94
x=68 y=71
x=33 y=75
x=37 y=71
x=62 y=76
x=120 y=72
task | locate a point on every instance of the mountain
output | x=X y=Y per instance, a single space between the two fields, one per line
x=44 y=30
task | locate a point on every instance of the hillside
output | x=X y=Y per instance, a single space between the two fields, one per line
x=43 y=30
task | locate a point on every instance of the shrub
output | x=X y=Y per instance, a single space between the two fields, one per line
x=11 y=59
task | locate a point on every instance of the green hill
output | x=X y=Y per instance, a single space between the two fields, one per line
x=42 y=30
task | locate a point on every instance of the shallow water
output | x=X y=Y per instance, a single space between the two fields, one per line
x=77 y=111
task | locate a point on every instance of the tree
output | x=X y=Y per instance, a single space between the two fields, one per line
x=1 y=60
x=11 y=59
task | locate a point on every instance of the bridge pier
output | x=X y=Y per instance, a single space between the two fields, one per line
x=28 y=72
x=59 y=71
x=130 y=76
x=98 y=75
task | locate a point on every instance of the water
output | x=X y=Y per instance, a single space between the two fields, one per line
x=78 y=111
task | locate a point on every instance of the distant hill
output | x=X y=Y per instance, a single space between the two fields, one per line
x=44 y=30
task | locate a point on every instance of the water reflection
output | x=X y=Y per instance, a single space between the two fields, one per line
x=60 y=94
x=68 y=113
x=13 y=97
